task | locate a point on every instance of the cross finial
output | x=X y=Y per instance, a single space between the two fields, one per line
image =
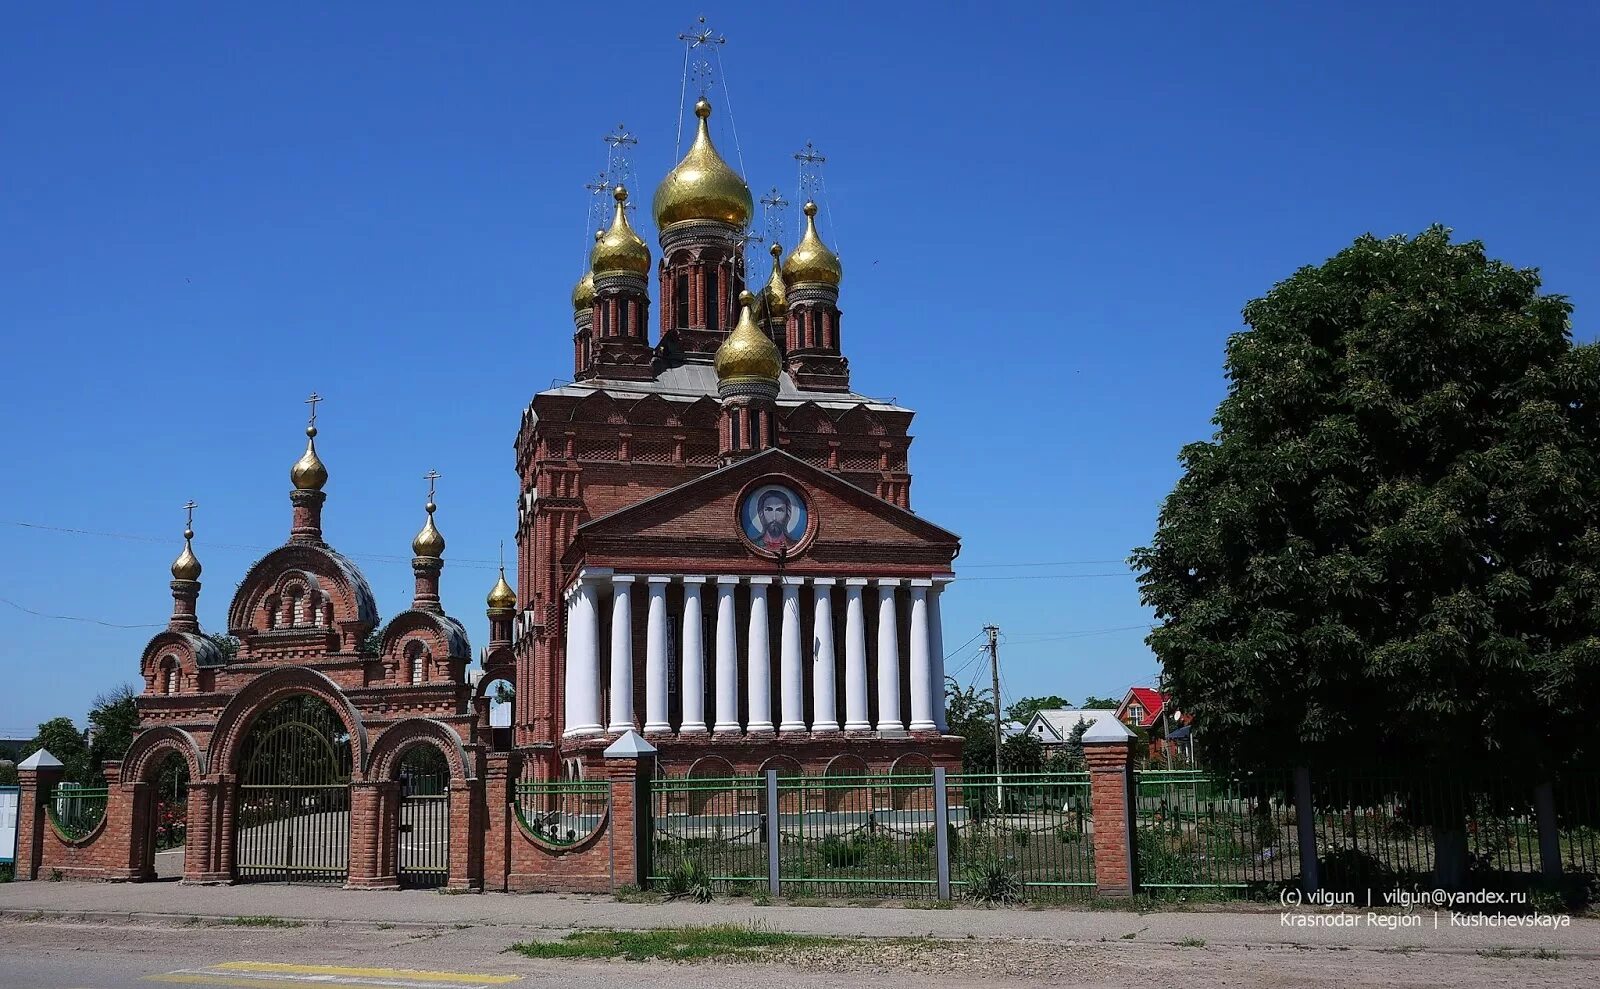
x=430 y=477
x=701 y=34
x=502 y=556
x=619 y=158
x=188 y=523
x=312 y=401
x=773 y=206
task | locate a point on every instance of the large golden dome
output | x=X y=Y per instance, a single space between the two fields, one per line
x=619 y=249
x=429 y=542
x=702 y=186
x=308 y=473
x=747 y=354
x=811 y=260
x=501 y=596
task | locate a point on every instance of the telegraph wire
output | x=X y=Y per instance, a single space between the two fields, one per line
x=75 y=618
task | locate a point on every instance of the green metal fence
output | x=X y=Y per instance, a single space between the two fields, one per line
x=562 y=812
x=717 y=822
x=1036 y=827
x=75 y=810
x=1199 y=832
x=1578 y=824
x=1385 y=831
x=867 y=835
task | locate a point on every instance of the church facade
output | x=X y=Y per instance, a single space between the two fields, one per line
x=715 y=537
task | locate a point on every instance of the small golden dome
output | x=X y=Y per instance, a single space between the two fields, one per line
x=501 y=596
x=583 y=293
x=747 y=354
x=811 y=261
x=702 y=186
x=776 y=295
x=619 y=249
x=308 y=473
x=187 y=565
x=429 y=542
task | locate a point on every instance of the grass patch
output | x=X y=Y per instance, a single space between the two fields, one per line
x=1190 y=942
x=262 y=922
x=679 y=944
x=1542 y=954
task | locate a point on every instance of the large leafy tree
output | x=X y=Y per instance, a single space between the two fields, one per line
x=1023 y=711
x=1389 y=551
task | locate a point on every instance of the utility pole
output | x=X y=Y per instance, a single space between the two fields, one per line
x=993 y=631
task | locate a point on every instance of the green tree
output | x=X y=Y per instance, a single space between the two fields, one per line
x=1094 y=703
x=1023 y=711
x=1390 y=544
x=113 y=720
x=64 y=741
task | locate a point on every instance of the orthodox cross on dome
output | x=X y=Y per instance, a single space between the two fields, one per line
x=598 y=189
x=619 y=158
x=702 y=43
x=189 y=508
x=430 y=477
x=773 y=207
x=812 y=187
x=312 y=401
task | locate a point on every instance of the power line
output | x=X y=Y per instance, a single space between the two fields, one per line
x=75 y=618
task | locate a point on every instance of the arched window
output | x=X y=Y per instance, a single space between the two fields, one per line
x=713 y=300
x=416 y=659
x=169 y=675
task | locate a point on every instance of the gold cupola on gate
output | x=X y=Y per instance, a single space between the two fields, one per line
x=812 y=261
x=702 y=186
x=309 y=473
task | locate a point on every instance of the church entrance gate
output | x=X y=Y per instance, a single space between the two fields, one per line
x=294 y=796
x=424 y=818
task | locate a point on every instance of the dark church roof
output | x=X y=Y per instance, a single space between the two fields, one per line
x=695 y=380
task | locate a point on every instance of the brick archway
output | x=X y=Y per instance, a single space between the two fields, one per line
x=236 y=719
x=149 y=751
x=385 y=815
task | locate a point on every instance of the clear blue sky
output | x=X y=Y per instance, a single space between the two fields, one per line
x=1049 y=220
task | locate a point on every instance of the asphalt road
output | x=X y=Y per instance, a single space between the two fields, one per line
x=49 y=954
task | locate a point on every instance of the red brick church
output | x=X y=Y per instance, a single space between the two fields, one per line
x=716 y=549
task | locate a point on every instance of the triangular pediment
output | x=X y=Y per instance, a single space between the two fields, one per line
x=811 y=516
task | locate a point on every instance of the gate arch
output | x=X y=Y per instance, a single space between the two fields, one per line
x=424 y=769
x=292 y=816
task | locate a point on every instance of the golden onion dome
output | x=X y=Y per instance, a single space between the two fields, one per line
x=501 y=596
x=619 y=249
x=187 y=565
x=308 y=473
x=747 y=354
x=702 y=186
x=811 y=260
x=776 y=294
x=429 y=542
x=583 y=293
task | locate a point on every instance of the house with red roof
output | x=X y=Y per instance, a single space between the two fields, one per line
x=1167 y=728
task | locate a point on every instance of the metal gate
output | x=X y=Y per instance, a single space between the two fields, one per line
x=293 y=820
x=424 y=818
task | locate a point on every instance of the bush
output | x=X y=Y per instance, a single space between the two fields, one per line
x=1020 y=836
x=991 y=881
x=689 y=879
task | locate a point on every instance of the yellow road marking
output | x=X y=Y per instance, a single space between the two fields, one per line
x=234 y=982
x=408 y=974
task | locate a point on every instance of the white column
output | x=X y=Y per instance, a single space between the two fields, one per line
x=693 y=681
x=569 y=678
x=824 y=705
x=791 y=665
x=855 y=657
x=936 y=627
x=657 y=712
x=921 y=659
x=888 y=657
x=583 y=662
x=727 y=658
x=758 y=649
x=621 y=653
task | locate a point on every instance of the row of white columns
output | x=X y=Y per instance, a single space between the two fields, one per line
x=583 y=714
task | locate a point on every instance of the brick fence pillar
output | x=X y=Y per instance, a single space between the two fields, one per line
x=37 y=776
x=1108 y=748
x=127 y=842
x=466 y=852
x=631 y=764
x=373 y=835
x=500 y=768
x=200 y=838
